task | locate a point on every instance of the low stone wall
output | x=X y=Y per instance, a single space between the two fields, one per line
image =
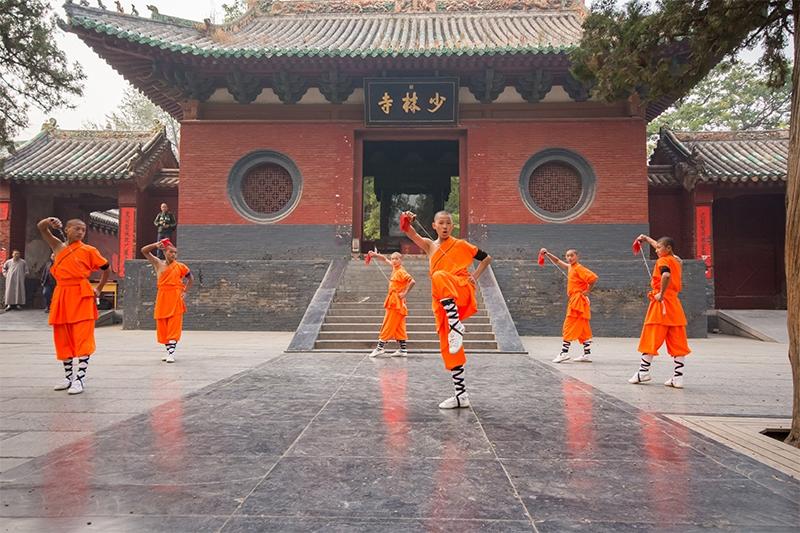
x=536 y=297
x=229 y=295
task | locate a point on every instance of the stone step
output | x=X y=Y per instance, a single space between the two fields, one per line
x=410 y=319
x=469 y=346
x=419 y=336
x=365 y=310
x=413 y=327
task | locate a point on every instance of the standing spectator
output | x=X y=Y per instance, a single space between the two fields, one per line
x=48 y=283
x=165 y=223
x=15 y=270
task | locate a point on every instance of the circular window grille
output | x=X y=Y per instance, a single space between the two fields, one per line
x=267 y=188
x=555 y=187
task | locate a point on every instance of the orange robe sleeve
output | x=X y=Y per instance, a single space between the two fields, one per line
x=669 y=312
x=169 y=300
x=73 y=299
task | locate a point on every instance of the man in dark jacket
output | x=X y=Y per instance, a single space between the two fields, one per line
x=165 y=222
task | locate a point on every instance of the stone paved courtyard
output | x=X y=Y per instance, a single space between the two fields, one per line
x=238 y=436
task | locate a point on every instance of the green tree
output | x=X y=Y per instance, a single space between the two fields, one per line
x=372 y=211
x=33 y=71
x=137 y=112
x=636 y=52
x=734 y=96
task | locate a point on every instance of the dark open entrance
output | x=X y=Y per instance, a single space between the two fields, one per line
x=420 y=176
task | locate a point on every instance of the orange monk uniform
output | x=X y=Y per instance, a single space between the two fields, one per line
x=665 y=321
x=450 y=279
x=576 y=323
x=73 y=310
x=170 y=306
x=394 y=321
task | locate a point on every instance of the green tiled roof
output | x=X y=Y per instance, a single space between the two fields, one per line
x=298 y=33
x=83 y=155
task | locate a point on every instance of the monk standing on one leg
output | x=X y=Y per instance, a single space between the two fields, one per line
x=170 y=306
x=73 y=309
x=453 y=291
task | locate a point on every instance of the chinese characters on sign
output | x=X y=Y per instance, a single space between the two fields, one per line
x=703 y=244
x=411 y=101
x=127 y=236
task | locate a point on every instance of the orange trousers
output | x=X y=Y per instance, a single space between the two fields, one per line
x=74 y=340
x=394 y=326
x=576 y=328
x=446 y=285
x=654 y=335
x=169 y=329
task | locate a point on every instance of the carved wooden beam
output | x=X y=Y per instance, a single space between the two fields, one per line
x=243 y=86
x=576 y=89
x=487 y=86
x=191 y=84
x=534 y=85
x=289 y=87
x=335 y=86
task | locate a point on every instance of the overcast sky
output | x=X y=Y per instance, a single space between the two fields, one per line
x=103 y=87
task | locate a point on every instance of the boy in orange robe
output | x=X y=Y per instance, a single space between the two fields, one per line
x=580 y=281
x=73 y=309
x=170 y=306
x=394 y=321
x=453 y=292
x=665 y=320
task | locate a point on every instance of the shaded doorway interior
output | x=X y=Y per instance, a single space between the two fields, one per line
x=749 y=238
x=420 y=176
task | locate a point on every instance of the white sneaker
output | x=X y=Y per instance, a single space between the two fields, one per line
x=454 y=403
x=400 y=353
x=169 y=358
x=64 y=385
x=640 y=377
x=583 y=359
x=164 y=358
x=560 y=358
x=377 y=352
x=76 y=387
x=675 y=381
x=455 y=339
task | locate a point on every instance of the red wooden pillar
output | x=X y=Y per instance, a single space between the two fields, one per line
x=127 y=227
x=5 y=220
x=704 y=227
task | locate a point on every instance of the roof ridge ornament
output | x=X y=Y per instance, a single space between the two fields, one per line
x=50 y=125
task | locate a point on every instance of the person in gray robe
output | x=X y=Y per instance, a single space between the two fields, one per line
x=15 y=270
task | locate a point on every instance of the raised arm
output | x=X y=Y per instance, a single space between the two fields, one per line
x=44 y=226
x=648 y=239
x=424 y=243
x=379 y=256
x=147 y=252
x=555 y=258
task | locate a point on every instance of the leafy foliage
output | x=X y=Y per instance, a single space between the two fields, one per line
x=734 y=96
x=33 y=71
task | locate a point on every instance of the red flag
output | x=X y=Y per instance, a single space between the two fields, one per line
x=541 y=259
x=636 y=247
x=368 y=258
x=405 y=222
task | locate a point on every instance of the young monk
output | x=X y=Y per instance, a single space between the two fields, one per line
x=665 y=320
x=580 y=281
x=394 y=321
x=73 y=309
x=453 y=292
x=170 y=306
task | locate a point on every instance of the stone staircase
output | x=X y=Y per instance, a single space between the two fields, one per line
x=354 y=317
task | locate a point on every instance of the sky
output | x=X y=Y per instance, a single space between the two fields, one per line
x=103 y=87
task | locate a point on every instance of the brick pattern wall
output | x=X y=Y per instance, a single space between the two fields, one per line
x=229 y=295
x=536 y=297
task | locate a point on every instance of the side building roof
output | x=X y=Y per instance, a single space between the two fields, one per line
x=88 y=156
x=719 y=158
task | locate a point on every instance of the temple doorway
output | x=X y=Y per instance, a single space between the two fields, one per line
x=419 y=176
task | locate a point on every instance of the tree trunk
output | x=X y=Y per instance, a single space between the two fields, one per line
x=793 y=237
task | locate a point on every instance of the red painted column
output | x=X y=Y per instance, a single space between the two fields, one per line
x=5 y=220
x=704 y=228
x=127 y=228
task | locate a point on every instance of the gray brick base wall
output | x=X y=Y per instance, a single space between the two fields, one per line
x=536 y=297
x=523 y=241
x=229 y=295
x=264 y=242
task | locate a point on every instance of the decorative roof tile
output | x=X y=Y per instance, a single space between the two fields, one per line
x=724 y=157
x=167 y=178
x=83 y=155
x=301 y=29
x=662 y=176
x=105 y=220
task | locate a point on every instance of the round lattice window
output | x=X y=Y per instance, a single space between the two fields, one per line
x=264 y=186
x=267 y=188
x=557 y=185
